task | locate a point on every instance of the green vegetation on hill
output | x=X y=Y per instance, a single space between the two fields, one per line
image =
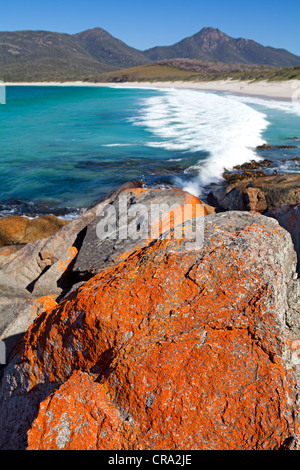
x=192 y=70
x=152 y=72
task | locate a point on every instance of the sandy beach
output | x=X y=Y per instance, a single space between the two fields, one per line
x=284 y=90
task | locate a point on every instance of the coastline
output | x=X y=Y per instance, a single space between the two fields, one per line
x=285 y=90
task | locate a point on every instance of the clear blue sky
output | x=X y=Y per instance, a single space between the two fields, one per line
x=144 y=24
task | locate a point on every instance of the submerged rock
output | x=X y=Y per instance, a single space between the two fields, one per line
x=169 y=349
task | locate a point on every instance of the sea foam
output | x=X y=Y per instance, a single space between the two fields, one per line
x=194 y=121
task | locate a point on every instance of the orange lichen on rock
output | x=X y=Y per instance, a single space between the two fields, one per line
x=84 y=402
x=169 y=349
x=47 y=302
x=18 y=229
x=63 y=264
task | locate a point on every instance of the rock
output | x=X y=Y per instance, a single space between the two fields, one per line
x=231 y=178
x=17 y=316
x=210 y=209
x=169 y=349
x=254 y=165
x=22 y=269
x=57 y=246
x=288 y=217
x=7 y=252
x=25 y=271
x=16 y=230
x=39 y=270
x=85 y=400
x=275 y=147
x=260 y=194
x=136 y=205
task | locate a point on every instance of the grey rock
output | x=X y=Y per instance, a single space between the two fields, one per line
x=288 y=217
x=39 y=269
x=23 y=274
x=114 y=235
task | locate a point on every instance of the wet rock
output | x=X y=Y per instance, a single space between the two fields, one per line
x=254 y=165
x=275 y=147
x=231 y=178
x=258 y=194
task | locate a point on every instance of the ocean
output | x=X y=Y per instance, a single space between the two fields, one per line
x=64 y=147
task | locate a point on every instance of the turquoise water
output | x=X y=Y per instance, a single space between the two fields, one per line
x=62 y=148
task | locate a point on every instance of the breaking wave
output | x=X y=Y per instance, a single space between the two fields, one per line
x=226 y=130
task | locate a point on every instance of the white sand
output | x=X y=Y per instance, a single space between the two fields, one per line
x=285 y=90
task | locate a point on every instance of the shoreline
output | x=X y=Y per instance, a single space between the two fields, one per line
x=285 y=90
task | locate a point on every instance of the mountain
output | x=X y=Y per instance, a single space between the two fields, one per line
x=113 y=52
x=44 y=55
x=211 y=44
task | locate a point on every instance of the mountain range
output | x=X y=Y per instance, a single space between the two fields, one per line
x=44 y=55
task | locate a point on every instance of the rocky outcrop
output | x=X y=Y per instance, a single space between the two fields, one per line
x=169 y=349
x=26 y=267
x=40 y=270
x=258 y=194
x=55 y=266
x=16 y=230
x=275 y=147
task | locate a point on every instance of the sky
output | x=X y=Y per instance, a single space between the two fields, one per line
x=144 y=24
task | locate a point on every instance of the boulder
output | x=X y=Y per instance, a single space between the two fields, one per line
x=258 y=194
x=16 y=229
x=135 y=208
x=169 y=349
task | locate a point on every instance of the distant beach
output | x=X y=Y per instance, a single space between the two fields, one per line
x=281 y=90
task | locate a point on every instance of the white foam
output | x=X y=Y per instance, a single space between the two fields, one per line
x=193 y=121
x=116 y=145
x=290 y=107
